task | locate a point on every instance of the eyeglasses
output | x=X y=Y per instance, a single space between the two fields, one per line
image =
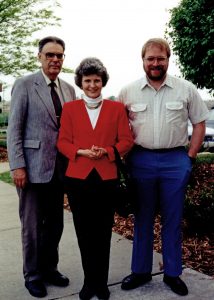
x=152 y=59
x=51 y=55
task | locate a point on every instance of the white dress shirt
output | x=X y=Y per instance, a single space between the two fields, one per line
x=159 y=118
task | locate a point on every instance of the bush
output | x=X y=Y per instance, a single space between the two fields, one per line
x=199 y=203
x=3 y=143
x=199 y=211
x=3 y=137
x=3 y=120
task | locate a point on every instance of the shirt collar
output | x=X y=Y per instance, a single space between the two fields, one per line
x=167 y=82
x=48 y=81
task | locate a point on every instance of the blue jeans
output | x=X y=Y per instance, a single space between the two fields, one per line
x=162 y=178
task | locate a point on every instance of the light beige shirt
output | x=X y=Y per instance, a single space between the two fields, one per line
x=159 y=119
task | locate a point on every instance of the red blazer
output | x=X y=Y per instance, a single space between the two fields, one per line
x=76 y=132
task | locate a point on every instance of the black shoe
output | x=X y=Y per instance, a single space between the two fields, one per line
x=86 y=292
x=103 y=293
x=36 y=288
x=135 y=280
x=176 y=284
x=56 y=278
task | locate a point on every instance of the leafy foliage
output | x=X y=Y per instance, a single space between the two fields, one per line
x=3 y=143
x=199 y=204
x=191 y=30
x=3 y=120
x=19 y=19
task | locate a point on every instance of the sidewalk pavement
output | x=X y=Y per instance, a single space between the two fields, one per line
x=4 y=166
x=201 y=287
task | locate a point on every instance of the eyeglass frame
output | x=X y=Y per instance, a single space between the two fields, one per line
x=159 y=59
x=52 y=55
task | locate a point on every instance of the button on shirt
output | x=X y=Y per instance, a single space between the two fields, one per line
x=159 y=118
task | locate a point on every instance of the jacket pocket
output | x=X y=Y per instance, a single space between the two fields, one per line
x=34 y=144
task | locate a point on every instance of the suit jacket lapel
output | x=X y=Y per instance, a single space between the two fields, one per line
x=66 y=95
x=44 y=94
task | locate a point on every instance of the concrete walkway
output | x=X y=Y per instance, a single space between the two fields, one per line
x=201 y=287
x=4 y=166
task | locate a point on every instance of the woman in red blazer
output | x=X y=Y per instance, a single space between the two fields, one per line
x=89 y=128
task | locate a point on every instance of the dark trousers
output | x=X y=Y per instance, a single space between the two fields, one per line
x=41 y=215
x=91 y=202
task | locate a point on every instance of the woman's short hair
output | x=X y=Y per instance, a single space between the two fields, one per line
x=90 y=66
x=158 y=42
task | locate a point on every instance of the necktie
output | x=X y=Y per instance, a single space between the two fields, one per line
x=56 y=101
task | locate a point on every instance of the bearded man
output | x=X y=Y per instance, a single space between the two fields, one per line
x=159 y=107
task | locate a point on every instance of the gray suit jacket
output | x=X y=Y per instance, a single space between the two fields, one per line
x=32 y=130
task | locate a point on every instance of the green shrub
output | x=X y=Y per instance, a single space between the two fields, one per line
x=3 y=143
x=199 y=203
x=205 y=158
x=199 y=211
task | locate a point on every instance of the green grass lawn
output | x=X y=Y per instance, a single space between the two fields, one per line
x=6 y=177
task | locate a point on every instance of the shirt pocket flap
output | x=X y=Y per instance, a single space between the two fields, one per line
x=32 y=144
x=138 y=107
x=174 y=105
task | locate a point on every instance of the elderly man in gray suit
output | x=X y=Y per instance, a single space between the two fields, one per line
x=37 y=168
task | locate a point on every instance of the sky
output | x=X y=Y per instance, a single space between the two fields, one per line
x=113 y=31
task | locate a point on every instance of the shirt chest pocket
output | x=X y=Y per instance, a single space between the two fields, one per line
x=174 y=112
x=138 y=113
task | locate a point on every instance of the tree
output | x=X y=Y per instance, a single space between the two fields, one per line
x=19 y=19
x=191 y=34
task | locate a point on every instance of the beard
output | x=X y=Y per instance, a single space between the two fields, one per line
x=161 y=76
